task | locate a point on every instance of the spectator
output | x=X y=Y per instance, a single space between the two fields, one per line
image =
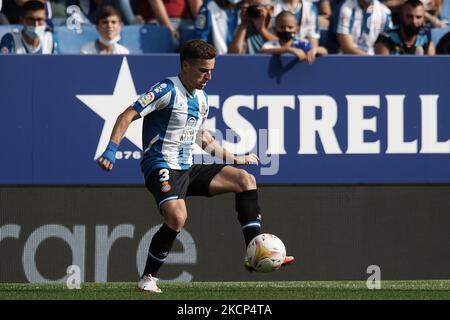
x=324 y=13
x=306 y=14
x=432 y=13
x=128 y=9
x=332 y=43
x=410 y=37
x=11 y=9
x=443 y=46
x=170 y=13
x=253 y=31
x=360 y=24
x=34 y=37
x=109 y=27
x=216 y=23
x=395 y=6
x=286 y=26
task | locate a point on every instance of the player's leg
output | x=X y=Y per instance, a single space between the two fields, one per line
x=243 y=184
x=169 y=189
x=175 y=214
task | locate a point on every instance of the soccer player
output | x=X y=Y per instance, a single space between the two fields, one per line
x=174 y=112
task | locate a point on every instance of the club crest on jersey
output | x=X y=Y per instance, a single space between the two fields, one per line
x=200 y=22
x=166 y=187
x=203 y=109
x=146 y=99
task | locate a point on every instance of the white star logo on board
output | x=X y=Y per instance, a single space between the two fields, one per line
x=110 y=106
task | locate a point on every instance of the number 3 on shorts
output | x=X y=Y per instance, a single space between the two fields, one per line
x=164 y=174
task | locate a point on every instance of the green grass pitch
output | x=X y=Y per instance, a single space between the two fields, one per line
x=283 y=290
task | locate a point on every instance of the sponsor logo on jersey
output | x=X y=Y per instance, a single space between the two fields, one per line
x=146 y=99
x=203 y=109
x=166 y=187
x=200 y=21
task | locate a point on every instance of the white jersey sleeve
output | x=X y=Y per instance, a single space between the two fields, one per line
x=158 y=97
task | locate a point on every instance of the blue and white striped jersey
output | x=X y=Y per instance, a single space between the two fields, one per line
x=172 y=118
x=14 y=43
x=216 y=25
x=307 y=16
x=364 y=26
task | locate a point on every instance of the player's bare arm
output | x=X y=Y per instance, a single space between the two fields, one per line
x=210 y=145
x=107 y=159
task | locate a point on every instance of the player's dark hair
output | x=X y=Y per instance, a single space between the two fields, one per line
x=31 y=6
x=106 y=11
x=197 y=49
x=413 y=3
x=284 y=14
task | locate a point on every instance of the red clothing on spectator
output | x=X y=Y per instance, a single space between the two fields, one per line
x=175 y=9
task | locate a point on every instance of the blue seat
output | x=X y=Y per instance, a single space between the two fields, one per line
x=7 y=28
x=70 y=42
x=187 y=33
x=445 y=12
x=438 y=33
x=147 y=38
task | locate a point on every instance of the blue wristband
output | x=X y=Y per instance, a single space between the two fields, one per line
x=110 y=152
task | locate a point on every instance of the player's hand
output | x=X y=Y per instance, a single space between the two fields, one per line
x=105 y=164
x=108 y=158
x=248 y=159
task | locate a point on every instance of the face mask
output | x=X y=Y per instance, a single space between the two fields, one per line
x=108 y=42
x=285 y=35
x=34 y=32
x=411 y=31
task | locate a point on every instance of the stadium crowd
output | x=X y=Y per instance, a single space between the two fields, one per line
x=304 y=28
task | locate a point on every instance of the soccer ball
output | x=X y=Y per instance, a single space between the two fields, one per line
x=266 y=252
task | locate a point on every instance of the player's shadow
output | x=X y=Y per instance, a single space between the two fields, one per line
x=276 y=67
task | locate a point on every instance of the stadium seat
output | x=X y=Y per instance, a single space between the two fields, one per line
x=147 y=39
x=70 y=42
x=445 y=12
x=438 y=33
x=186 y=33
x=4 y=29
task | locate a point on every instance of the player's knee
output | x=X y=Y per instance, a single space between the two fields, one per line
x=176 y=222
x=247 y=181
x=174 y=216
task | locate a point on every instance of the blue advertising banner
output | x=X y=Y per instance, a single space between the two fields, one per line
x=342 y=120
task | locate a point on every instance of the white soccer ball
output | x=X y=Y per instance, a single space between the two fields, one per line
x=266 y=252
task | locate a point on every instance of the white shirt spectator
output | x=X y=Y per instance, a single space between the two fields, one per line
x=364 y=27
x=93 y=48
